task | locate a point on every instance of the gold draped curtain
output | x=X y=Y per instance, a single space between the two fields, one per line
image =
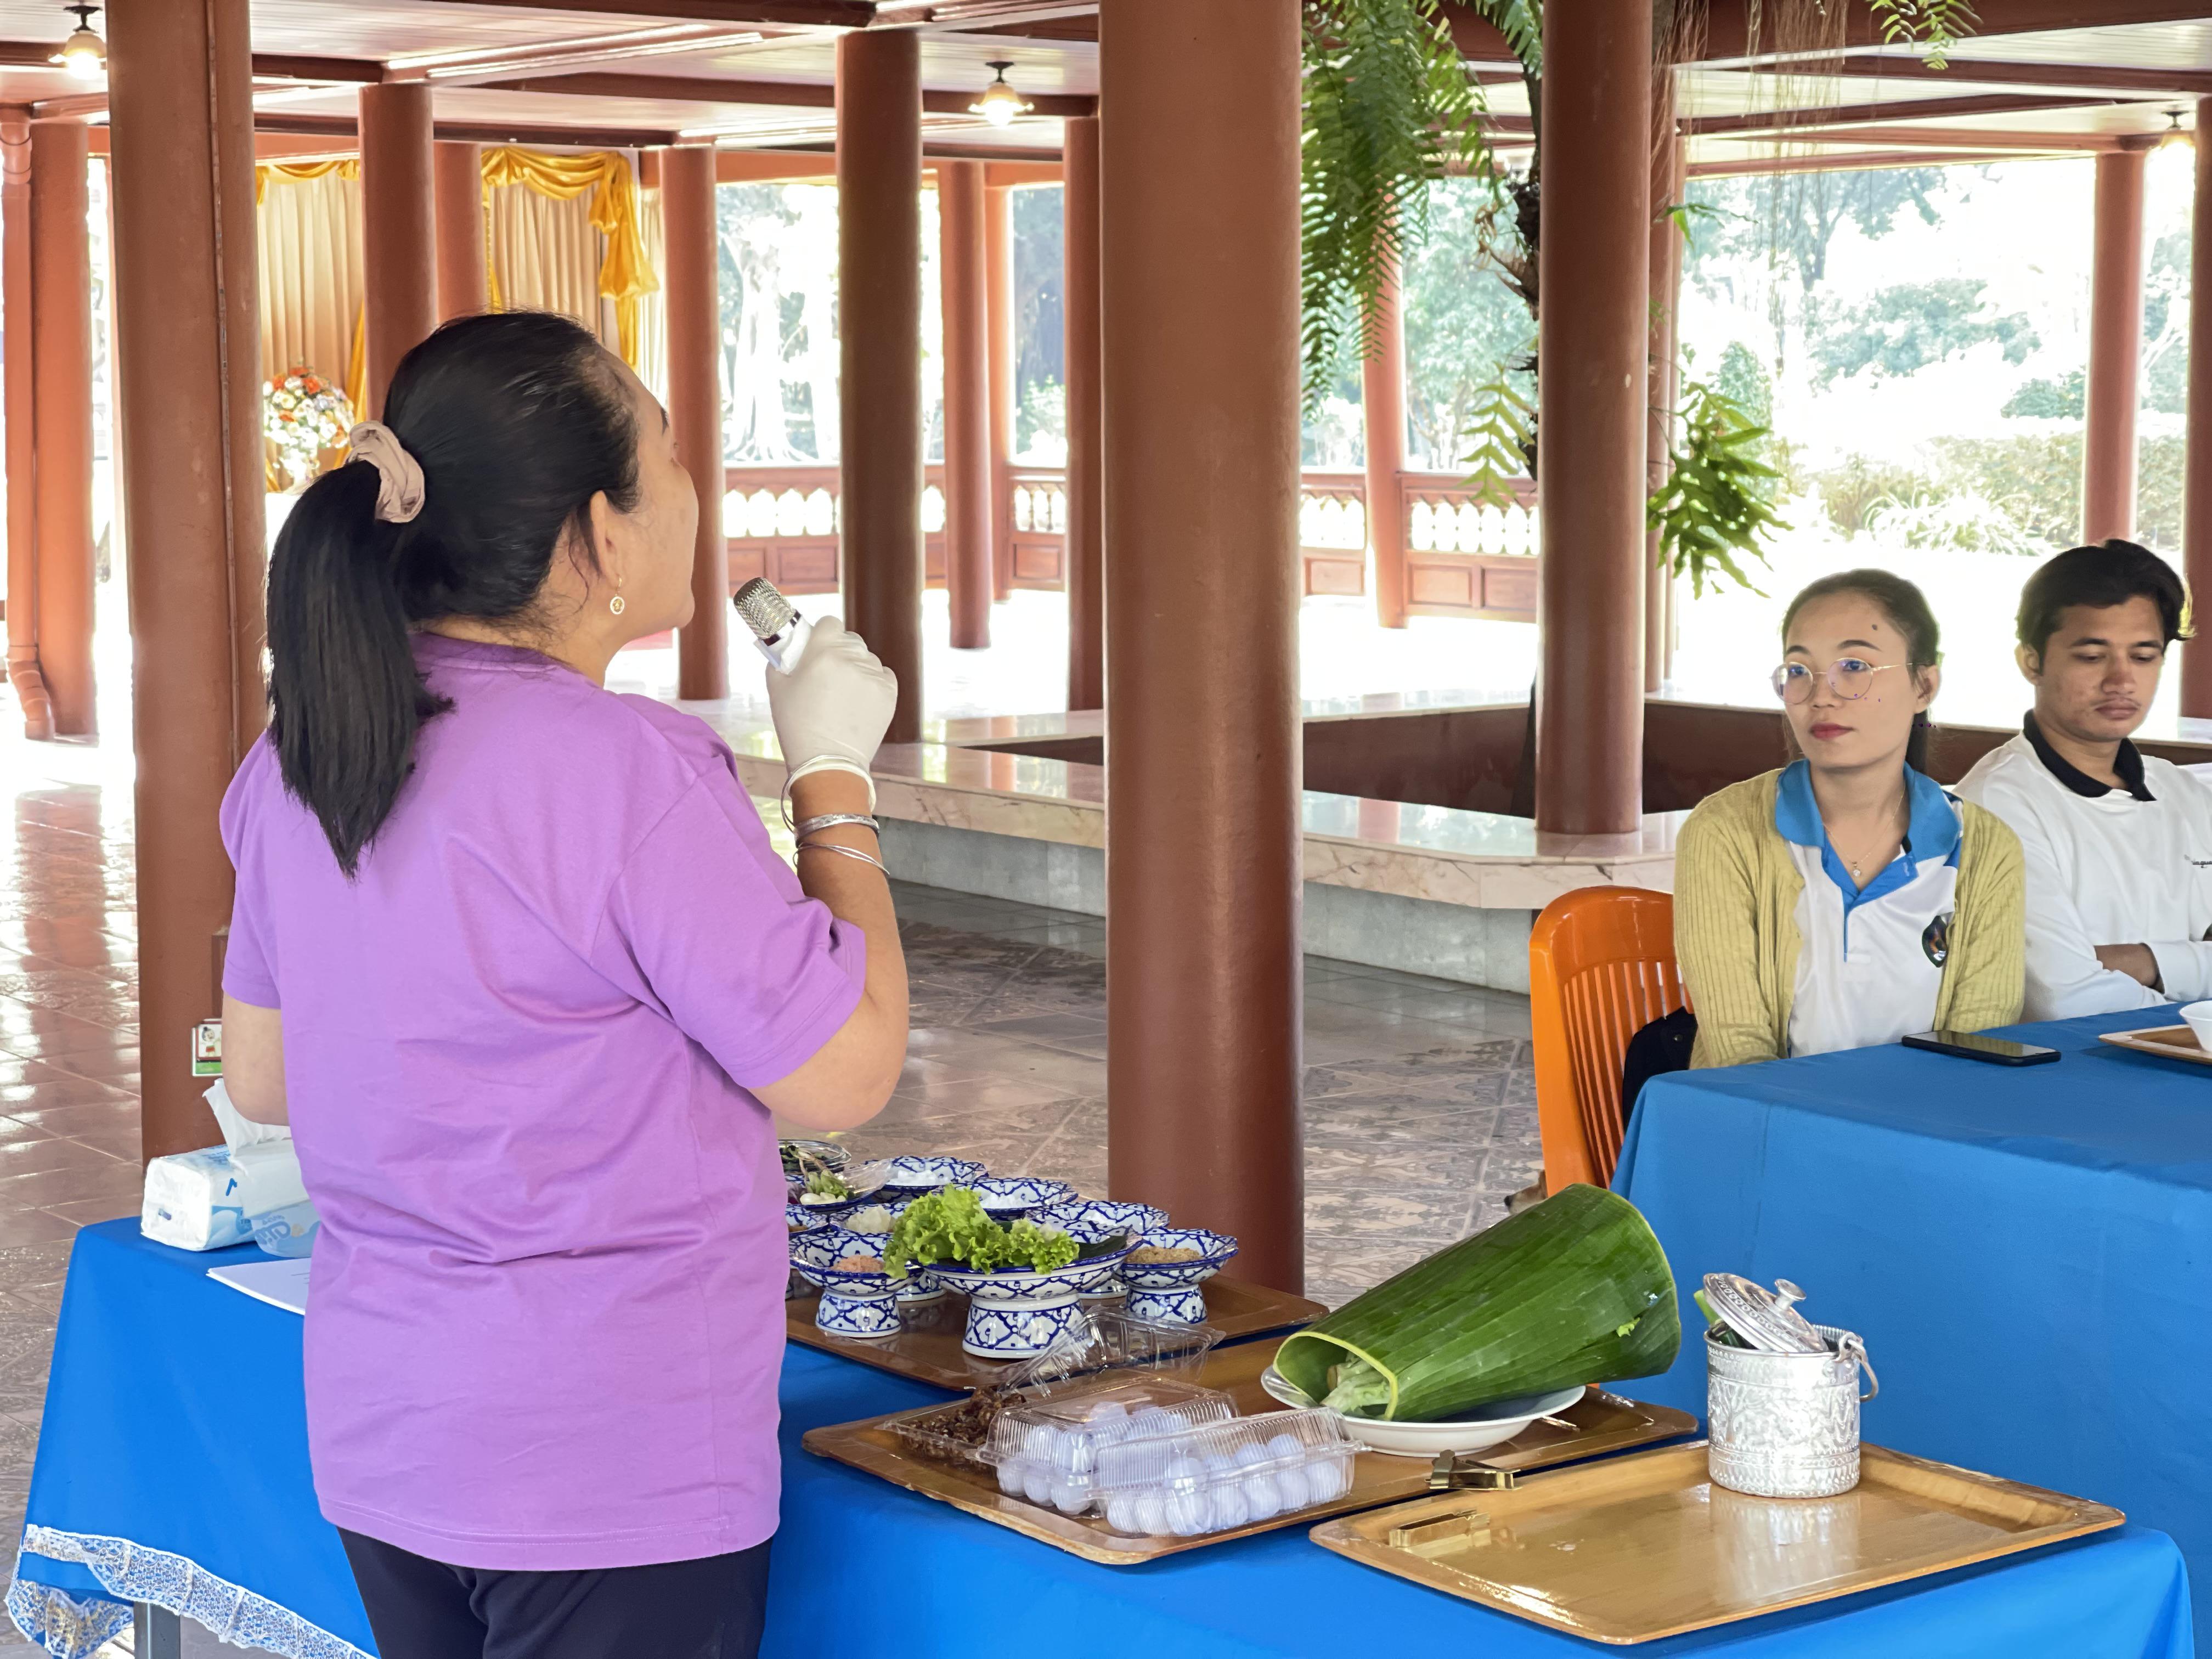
x=308 y=217
x=605 y=181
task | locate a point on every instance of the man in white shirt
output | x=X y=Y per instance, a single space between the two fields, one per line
x=2118 y=844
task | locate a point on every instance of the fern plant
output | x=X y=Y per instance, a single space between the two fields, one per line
x=1938 y=25
x=1501 y=440
x=1390 y=107
x=1713 y=512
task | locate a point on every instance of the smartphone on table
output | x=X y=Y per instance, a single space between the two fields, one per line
x=1973 y=1045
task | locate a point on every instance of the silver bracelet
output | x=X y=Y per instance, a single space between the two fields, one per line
x=842 y=852
x=830 y=820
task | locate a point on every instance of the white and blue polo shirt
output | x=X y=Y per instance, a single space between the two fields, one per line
x=1870 y=959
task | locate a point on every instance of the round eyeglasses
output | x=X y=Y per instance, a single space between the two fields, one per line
x=1848 y=678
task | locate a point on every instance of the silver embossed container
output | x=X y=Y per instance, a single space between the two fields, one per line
x=1786 y=1425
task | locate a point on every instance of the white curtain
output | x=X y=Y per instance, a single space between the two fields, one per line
x=311 y=275
x=547 y=257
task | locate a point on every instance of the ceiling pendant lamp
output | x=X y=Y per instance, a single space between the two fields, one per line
x=84 y=54
x=2175 y=133
x=1000 y=104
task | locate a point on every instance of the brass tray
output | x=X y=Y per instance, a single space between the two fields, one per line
x=928 y=1350
x=1641 y=1548
x=2166 y=1041
x=1604 y=1423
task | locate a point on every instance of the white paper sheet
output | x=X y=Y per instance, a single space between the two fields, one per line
x=282 y=1284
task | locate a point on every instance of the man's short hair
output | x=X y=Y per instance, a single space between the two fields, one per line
x=2100 y=577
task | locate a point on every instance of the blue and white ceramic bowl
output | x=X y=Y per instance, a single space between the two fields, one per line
x=913 y=1173
x=1003 y=1197
x=1168 y=1291
x=1017 y=1313
x=919 y=1285
x=855 y=1301
x=1090 y=1220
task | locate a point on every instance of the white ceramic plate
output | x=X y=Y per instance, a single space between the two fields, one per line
x=1490 y=1425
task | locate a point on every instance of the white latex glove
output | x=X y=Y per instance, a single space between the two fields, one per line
x=833 y=709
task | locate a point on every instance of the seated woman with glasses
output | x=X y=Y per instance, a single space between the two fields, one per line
x=1847 y=900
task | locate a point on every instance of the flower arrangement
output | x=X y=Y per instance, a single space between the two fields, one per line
x=303 y=414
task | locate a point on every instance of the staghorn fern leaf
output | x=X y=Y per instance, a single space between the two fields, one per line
x=1712 y=511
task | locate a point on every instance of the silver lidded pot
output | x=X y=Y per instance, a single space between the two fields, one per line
x=1783 y=1410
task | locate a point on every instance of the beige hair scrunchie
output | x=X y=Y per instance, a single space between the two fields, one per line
x=399 y=491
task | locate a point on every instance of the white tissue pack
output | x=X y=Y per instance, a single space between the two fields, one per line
x=210 y=1199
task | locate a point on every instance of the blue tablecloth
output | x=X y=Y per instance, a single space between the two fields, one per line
x=2026 y=1251
x=174 y=1422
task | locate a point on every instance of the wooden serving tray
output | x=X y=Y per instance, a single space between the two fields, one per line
x=1645 y=1546
x=1605 y=1422
x=2166 y=1041
x=928 y=1350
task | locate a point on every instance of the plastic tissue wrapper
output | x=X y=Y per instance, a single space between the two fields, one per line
x=211 y=1199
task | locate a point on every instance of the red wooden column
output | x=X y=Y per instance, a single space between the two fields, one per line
x=1199 y=176
x=2116 y=310
x=189 y=389
x=880 y=352
x=398 y=226
x=694 y=406
x=1668 y=179
x=16 y=349
x=2196 y=498
x=999 y=304
x=1087 y=562
x=1593 y=336
x=61 y=314
x=457 y=199
x=962 y=285
x=1383 y=384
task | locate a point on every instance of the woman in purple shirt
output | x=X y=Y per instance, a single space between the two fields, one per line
x=515 y=957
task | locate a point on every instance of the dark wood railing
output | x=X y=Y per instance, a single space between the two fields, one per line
x=1462 y=558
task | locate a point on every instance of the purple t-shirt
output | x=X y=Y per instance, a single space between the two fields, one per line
x=548 y=1310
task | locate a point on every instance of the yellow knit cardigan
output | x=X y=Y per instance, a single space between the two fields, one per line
x=1736 y=925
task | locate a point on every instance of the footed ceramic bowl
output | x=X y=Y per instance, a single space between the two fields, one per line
x=912 y=1173
x=1005 y=1197
x=855 y=1302
x=868 y=1185
x=1018 y=1313
x=919 y=1285
x=1168 y=1291
x=1482 y=1428
x=1090 y=1220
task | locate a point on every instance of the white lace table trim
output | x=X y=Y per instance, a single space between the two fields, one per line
x=71 y=1626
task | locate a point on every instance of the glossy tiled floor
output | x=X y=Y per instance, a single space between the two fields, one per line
x=1420 y=1103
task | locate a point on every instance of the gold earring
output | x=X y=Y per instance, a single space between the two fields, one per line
x=616 y=605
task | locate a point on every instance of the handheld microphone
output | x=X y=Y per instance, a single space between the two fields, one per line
x=778 y=628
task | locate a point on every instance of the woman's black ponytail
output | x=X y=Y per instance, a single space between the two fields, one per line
x=518 y=420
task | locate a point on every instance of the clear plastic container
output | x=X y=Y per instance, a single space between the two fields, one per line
x=1048 y=1451
x=1106 y=1342
x=1219 y=1476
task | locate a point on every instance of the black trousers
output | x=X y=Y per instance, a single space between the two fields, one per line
x=423 y=1609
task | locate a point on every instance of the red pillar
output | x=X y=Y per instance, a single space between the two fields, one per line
x=188 y=386
x=961 y=284
x=1594 y=333
x=1382 y=382
x=61 y=311
x=1078 y=291
x=16 y=348
x=2196 y=525
x=398 y=226
x=2116 y=308
x=879 y=352
x=1668 y=179
x=998 y=302
x=458 y=202
x=695 y=407
x=1199 y=176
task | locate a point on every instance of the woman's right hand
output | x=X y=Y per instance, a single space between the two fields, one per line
x=835 y=706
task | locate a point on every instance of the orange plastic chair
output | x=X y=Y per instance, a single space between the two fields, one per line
x=1600 y=968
